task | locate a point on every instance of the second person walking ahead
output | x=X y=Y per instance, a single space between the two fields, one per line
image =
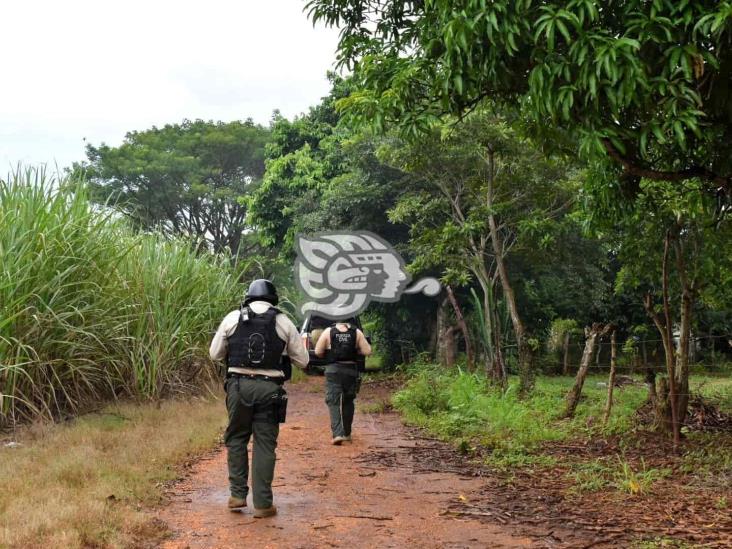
x=342 y=344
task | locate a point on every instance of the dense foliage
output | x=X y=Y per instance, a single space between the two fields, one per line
x=646 y=83
x=553 y=163
x=90 y=309
x=190 y=179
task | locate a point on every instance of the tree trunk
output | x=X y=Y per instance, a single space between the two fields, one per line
x=445 y=343
x=498 y=365
x=565 y=360
x=525 y=354
x=448 y=347
x=463 y=328
x=611 y=379
x=664 y=328
x=633 y=365
x=681 y=380
x=644 y=350
x=486 y=311
x=662 y=406
x=682 y=358
x=573 y=396
x=672 y=390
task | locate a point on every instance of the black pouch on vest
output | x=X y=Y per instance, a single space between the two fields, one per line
x=279 y=405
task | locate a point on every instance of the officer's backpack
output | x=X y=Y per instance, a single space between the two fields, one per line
x=343 y=345
x=255 y=343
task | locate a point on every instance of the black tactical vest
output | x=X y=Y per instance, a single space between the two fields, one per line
x=343 y=345
x=255 y=343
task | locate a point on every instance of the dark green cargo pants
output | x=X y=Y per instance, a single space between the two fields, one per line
x=341 y=386
x=249 y=404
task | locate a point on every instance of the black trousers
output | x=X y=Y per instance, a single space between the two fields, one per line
x=341 y=386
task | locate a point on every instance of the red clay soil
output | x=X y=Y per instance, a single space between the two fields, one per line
x=371 y=493
x=394 y=487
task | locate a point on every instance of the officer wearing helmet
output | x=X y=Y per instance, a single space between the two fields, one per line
x=256 y=342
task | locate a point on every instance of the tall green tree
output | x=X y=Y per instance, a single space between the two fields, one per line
x=190 y=179
x=484 y=193
x=678 y=260
x=322 y=175
x=302 y=158
x=644 y=84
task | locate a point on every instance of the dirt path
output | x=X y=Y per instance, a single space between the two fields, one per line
x=331 y=496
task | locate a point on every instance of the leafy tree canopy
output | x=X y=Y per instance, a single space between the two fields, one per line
x=555 y=270
x=322 y=176
x=301 y=158
x=646 y=83
x=190 y=178
x=638 y=230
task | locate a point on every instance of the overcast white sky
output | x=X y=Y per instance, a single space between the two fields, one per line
x=76 y=69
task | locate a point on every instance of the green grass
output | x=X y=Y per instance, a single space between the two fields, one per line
x=591 y=476
x=717 y=389
x=298 y=376
x=456 y=404
x=375 y=407
x=90 y=310
x=464 y=408
x=705 y=456
x=373 y=363
x=615 y=473
x=663 y=543
x=638 y=481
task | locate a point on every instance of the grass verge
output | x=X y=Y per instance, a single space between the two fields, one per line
x=578 y=474
x=463 y=408
x=87 y=482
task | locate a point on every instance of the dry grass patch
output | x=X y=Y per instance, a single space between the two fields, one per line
x=86 y=483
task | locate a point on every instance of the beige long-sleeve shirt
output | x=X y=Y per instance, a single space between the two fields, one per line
x=323 y=344
x=286 y=331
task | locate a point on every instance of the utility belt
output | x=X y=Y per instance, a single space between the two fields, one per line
x=276 y=406
x=357 y=366
x=346 y=364
x=278 y=379
x=343 y=368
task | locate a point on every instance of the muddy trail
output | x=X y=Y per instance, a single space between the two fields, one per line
x=395 y=487
x=370 y=493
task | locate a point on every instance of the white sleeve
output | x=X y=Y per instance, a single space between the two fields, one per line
x=294 y=347
x=219 y=344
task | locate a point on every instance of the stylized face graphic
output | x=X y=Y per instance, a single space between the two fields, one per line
x=386 y=276
x=342 y=272
x=377 y=274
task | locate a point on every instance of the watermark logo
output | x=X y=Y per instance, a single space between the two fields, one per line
x=342 y=272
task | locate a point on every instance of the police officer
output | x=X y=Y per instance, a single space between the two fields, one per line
x=255 y=342
x=342 y=344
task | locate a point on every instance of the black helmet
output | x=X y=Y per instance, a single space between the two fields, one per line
x=262 y=290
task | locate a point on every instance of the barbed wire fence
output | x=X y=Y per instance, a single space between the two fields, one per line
x=654 y=353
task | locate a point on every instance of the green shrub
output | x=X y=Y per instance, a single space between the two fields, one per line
x=456 y=405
